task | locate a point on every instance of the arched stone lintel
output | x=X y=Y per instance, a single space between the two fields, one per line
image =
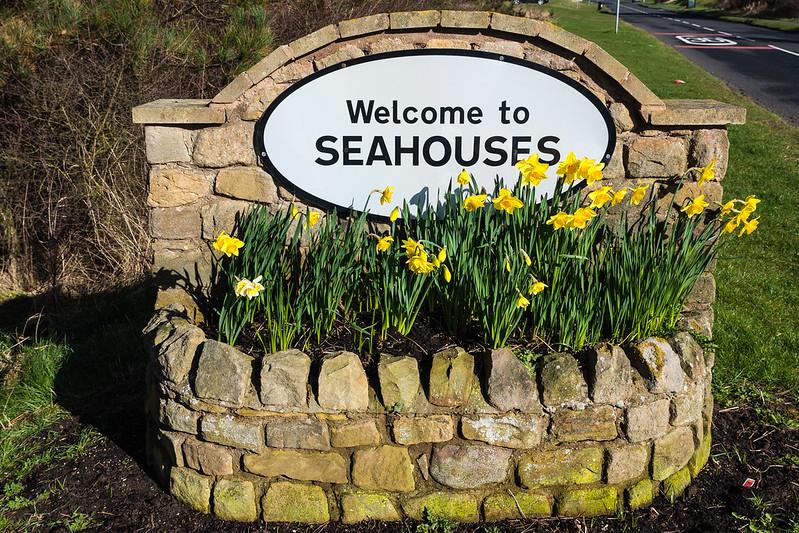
x=652 y=109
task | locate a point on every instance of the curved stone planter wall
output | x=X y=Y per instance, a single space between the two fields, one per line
x=472 y=436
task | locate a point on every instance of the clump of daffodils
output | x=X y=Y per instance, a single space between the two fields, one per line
x=249 y=289
x=421 y=262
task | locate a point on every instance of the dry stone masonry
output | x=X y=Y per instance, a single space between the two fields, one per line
x=265 y=437
x=465 y=436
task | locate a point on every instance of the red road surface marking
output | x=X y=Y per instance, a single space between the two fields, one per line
x=727 y=47
x=687 y=34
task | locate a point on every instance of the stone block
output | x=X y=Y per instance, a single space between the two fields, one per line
x=234 y=499
x=246 y=183
x=234 y=89
x=177 y=186
x=710 y=144
x=680 y=112
x=279 y=57
x=399 y=381
x=355 y=433
x=325 y=467
x=342 y=383
x=656 y=157
x=383 y=468
x=658 y=364
x=703 y=293
x=621 y=117
x=172 y=111
x=410 y=430
x=517 y=25
x=389 y=44
x=588 y=502
x=691 y=355
x=223 y=373
x=610 y=375
x=414 y=19
x=675 y=484
x=286 y=501
x=465 y=19
x=510 y=431
x=626 y=462
x=314 y=41
x=363 y=25
x=672 y=452
x=167 y=144
x=510 y=385
x=222 y=214
x=701 y=455
x=640 y=495
x=700 y=322
x=230 y=431
x=451 y=376
x=361 y=506
x=468 y=466
x=520 y=505
x=505 y=48
x=191 y=488
x=306 y=433
x=293 y=72
x=607 y=64
x=162 y=449
x=264 y=94
x=226 y=145
x=648 y=421
x=210 y=459
x=686 y=407
x=175 y=222
x=569 y=41
x=564 y=466
x=596 y=422
x=458 y=44
x=344 y=53
x=562 y=381
x=284 y=379
x=455 y=506
x=178 y=417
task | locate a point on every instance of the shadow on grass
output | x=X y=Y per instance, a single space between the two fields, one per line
x=101 y=382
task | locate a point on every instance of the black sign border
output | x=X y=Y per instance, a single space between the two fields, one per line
x=326 y=205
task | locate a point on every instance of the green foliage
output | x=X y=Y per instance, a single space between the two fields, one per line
x=436 y=524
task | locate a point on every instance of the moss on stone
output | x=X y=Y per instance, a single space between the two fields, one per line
x=565 y=466
x=701 y=455
x=286 y=501
x=191 y=488
x=640 y=495
x=503 y=506
x=675 y=485
x=455 y=506
x=588 y=502
x=234 y=499
x=362 y=506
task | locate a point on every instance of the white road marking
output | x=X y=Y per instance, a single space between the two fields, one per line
x=783 y=50
x=708 y=29
x=725 y=33
x=695 y=25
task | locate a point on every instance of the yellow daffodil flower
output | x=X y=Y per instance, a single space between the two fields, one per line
x=637 y=195
x=537 y=287
x=707 y=173
x=412 y=247
x=618 y=196
x=419 y=264
x=442 y=255
x=384 y=243
x=386 y=194
x=294 y=211
x=560 y=220
x=726 y=208
x=730 y=226
x=447 y=274
x=527 y=260
x=600 y=197
x=464 y=178
x=594 y=173
x=749 y=227
x=475 y=202
x=249 y=289
x=696 y=206
x=394 y=214
x=581 y=218
x=532 y=169
x=568 y=168
x=750 y=204
x=586 y=164
x=506 y=202
x=313 y=218
x=507 y=265
x=228 y=245
x=522 y=302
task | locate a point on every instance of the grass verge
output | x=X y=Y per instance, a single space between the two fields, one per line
x=757 y=326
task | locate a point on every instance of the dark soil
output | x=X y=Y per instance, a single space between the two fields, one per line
x=109 y=485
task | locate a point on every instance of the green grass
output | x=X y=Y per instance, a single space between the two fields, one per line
x=705 y=8
x=757 y=325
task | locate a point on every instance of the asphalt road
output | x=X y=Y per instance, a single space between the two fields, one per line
x=761 y=63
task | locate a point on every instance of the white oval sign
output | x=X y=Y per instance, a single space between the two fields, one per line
x=412 y=120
